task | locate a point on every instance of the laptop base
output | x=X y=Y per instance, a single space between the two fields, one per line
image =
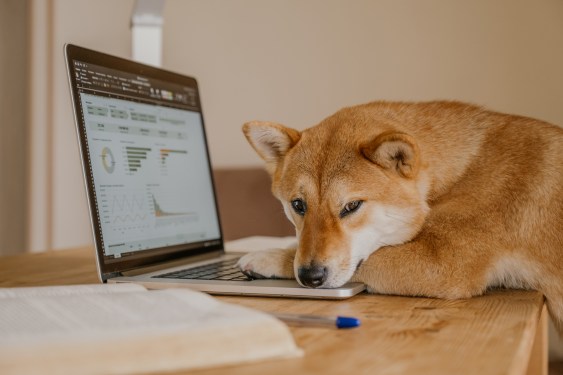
x=258 y=288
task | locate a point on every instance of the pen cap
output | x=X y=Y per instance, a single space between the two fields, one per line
x=347 y=322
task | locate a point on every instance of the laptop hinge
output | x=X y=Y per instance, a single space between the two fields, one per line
x=170 y=264
x=111 y=275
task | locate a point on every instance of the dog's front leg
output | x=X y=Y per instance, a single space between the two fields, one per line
x=416 y=269
x=269 y=264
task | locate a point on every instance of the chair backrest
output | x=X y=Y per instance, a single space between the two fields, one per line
x=247 y=206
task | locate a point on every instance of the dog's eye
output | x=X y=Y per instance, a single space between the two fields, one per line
x=350 y=207
x=299 y=206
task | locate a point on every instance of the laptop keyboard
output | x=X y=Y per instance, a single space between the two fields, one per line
x=223 y=270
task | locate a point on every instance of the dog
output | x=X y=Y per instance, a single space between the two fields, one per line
x=436 y=199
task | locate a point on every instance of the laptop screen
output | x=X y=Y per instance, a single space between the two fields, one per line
x=145 y=159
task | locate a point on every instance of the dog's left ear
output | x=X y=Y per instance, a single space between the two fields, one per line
x=394 y=151
x=270 y=140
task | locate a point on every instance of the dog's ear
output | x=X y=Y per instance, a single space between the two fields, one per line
x=270 y=140
x=394 y=151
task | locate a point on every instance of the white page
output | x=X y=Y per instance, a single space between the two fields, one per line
x=136 y=332
x=28 y=321
x=69 y=290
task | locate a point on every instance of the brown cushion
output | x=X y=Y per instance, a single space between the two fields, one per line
x=247 y=206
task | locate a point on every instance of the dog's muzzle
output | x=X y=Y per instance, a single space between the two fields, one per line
x=312 y=276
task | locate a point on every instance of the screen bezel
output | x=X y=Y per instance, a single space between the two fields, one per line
x=157 y=255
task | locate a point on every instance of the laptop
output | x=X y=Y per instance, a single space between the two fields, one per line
x=149 y=183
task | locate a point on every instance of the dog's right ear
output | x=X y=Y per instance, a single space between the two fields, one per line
x=270 y=140
x=394 y=151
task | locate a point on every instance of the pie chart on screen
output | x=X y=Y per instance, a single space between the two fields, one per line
x=108 y=160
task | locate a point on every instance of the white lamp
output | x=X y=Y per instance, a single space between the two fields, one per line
x=146 y=31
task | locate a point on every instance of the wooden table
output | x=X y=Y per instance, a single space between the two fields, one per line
x=502 y=332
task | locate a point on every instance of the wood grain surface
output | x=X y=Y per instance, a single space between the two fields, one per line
x=491 y=334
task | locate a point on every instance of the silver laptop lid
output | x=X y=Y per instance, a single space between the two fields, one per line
x=145 y=161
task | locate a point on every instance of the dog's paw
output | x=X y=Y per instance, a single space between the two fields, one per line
x=268 y=264
x=370 y=290
x=358 y=277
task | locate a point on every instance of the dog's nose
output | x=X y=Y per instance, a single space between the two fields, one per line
x=313 y=276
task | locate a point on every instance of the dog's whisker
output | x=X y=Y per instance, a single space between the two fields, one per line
x=401 y=218
x=395 y=214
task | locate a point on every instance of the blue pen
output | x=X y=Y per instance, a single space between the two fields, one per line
x=316 y=320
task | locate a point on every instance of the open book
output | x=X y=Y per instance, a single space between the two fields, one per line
x=123 y=328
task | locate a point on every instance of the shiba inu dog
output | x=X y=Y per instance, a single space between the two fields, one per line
x=437 y=199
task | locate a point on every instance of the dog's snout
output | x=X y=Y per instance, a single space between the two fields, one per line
x=313 y=276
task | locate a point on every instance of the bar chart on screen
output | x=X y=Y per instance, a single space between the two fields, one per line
x=135 y=157
x=166 y=154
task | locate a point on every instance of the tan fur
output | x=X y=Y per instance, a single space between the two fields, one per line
x=456 y=199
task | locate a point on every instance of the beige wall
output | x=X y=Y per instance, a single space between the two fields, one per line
x=297 y=61
x=13 y=129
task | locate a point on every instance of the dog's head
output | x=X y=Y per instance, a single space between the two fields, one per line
x=349 y=185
